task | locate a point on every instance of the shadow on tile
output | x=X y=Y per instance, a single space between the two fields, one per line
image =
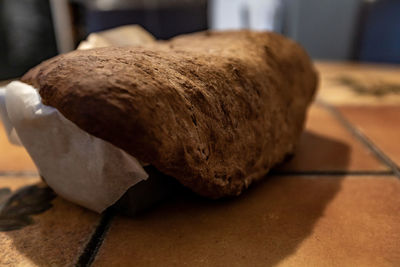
x=317 y=153
x=260 y=228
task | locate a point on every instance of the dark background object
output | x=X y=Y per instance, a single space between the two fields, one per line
x=325 y=28
x=30 y=32
x=26 y=35
x=380 y=32
x=163 y=22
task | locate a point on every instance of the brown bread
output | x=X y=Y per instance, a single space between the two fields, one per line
x=214 y=110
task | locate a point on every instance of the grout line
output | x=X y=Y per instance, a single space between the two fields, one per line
x=92 y=247
x=332 y=173
x=22 y=174
x=274 y=172
x=379 y=154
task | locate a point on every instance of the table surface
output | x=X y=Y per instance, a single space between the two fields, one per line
x=336 y=203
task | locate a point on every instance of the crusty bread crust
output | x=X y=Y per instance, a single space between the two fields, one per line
x=215 y=110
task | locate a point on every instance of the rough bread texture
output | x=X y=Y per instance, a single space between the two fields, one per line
x=215 y=110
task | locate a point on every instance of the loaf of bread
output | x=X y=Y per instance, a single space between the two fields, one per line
x=215 y=110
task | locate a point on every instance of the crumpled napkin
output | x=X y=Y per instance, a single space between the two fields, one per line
x=76 y=165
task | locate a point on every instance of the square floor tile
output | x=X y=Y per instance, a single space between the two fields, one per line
x=292 y=221
x=381 y=124
x=55 y=237
x=326 y=145
x=359 y=227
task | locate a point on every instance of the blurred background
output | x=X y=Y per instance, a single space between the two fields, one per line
x=357 y=30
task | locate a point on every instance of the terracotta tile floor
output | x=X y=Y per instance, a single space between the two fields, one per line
x=326 y=145
x=335 y=203
x=379 y=123
x=56 y=237
x=16 y=158
x=346 y=220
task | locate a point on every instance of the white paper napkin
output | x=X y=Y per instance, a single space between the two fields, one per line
x=76 y=165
